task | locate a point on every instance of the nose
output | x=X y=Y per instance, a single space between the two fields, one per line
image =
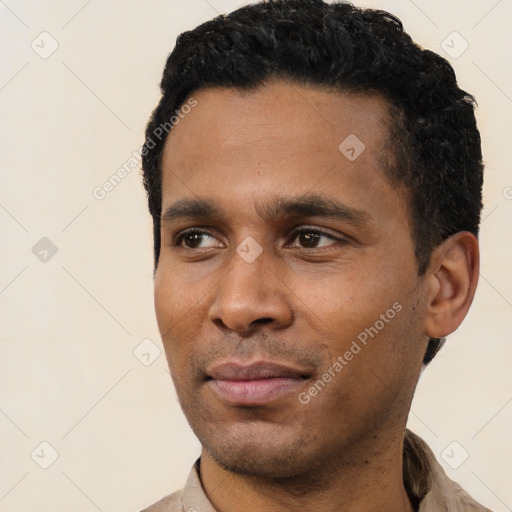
x=251 y=295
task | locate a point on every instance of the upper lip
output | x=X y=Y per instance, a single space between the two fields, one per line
x=254 y=371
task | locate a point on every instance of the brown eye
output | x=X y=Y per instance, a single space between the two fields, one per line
x=309 y=239
x=195 y=239
x=313 y=239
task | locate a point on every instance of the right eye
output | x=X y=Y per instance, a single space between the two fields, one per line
x=195 y=239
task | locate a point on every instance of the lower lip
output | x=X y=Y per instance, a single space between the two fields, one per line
x=254 y=392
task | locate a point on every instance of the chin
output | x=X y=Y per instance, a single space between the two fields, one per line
x=258 y=462
x=261 y=452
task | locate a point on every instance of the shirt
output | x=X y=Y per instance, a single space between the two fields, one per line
x=425 y=480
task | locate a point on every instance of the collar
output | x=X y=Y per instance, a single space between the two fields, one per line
x=427 y=484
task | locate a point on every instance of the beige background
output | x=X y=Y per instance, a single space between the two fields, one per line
x=69 y=325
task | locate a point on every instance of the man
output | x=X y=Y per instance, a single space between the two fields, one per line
x=314 y=179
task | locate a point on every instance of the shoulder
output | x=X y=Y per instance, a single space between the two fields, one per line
x=427 y=481
x=171 y=503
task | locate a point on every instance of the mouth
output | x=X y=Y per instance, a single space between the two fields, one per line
x=254 y=384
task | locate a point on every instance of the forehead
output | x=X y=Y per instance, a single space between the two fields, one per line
x=279 y=137
x=278 y=114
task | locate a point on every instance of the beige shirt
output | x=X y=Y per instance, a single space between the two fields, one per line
x=424 y=479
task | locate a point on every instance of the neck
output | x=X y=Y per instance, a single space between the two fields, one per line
x=364 y=480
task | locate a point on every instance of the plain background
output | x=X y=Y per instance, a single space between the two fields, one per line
x=70 y=322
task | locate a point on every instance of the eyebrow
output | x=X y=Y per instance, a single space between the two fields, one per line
x=190 y=209
x=311 y=205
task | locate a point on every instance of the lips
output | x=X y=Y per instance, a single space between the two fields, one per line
x=257 y=383
x=254 y=371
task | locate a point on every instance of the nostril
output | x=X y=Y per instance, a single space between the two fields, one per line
x=262 y=321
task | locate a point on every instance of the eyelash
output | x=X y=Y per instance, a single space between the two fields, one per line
x=295 y=233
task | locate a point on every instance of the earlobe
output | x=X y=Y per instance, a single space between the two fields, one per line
x=451 y=280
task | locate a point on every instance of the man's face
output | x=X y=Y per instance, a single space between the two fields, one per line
x=297 y=257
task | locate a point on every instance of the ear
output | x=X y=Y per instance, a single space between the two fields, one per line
x=451 y=282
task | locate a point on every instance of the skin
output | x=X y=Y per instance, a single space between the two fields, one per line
x=302 y=301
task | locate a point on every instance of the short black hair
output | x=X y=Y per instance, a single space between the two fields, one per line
x=436 y=144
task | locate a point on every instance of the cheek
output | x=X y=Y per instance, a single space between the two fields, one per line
x=174 y=297
x=367 y=317
x=177 y=308
x=346 y=299
x=165 y=303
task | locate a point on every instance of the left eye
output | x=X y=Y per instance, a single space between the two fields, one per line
x=311 y=239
